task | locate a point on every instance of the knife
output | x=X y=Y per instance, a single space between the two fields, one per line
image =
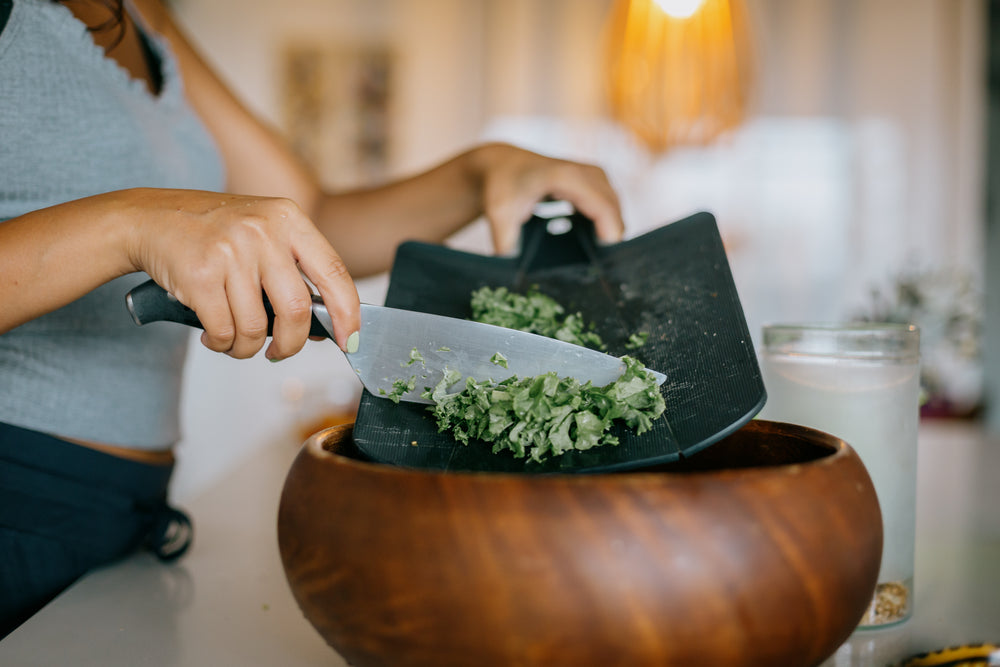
x=401 y=347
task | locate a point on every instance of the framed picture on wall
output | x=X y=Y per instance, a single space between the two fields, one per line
x=336 y=110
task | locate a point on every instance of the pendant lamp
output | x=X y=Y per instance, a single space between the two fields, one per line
x=678 y=71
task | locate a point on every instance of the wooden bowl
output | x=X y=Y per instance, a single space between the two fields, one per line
x=761 y=550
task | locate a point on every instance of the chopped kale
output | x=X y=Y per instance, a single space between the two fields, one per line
x=399 y=387
x=545 y=415
x=533 y=312
x=541 y=416
x=637 y=340
x=415 y=356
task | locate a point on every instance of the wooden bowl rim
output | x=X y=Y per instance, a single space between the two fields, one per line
x=839 y=451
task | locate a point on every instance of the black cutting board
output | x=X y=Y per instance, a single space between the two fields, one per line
x=673 y=283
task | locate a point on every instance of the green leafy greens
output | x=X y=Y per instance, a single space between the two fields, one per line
x=545 y=415
x=533 y=312
x=415 y=357
x=637 y=340
x=399 y=388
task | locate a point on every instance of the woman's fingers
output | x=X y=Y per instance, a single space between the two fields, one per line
x=588 y=189
x=291 y=302
x=248 y=315
x=340 y=296
x=216 y=316
x=515 y=180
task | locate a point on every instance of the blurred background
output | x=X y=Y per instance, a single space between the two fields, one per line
x=843 y=146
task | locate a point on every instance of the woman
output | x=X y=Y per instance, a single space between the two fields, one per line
x=121 y=155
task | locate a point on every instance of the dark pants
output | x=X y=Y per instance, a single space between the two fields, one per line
x=67 y=509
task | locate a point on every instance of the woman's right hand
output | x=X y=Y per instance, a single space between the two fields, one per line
x=216 y=252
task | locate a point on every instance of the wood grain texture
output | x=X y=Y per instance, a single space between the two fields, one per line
x=761 y=550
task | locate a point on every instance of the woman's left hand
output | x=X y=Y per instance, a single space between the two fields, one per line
x=514 y=180
x=498 y=181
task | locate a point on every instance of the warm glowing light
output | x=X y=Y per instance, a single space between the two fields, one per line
x=680 y=9
x=676 y=81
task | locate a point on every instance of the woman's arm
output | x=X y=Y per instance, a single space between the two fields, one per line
x=215 y=252
x=496 y=180
x=41 y=265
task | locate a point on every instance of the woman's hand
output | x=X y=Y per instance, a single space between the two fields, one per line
x=216 y=253
x=496 y=180
x=514 y=180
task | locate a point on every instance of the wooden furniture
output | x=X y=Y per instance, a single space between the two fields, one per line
x=761 y=550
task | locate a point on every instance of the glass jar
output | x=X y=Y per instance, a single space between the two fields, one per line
x=861 y=383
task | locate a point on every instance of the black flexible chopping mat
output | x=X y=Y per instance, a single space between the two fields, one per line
x=673 y=282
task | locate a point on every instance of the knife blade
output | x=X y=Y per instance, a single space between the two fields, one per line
x=403 y=345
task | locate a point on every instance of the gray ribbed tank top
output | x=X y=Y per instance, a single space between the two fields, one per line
x=73 y=124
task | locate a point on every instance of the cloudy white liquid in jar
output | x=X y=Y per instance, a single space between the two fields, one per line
x=873 y=406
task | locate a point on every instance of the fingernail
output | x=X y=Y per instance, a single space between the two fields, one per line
x=353 y=341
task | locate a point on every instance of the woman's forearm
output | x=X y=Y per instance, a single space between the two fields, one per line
x=55 y=255
x=214 y=252
x=367 y=225
x=499 y=181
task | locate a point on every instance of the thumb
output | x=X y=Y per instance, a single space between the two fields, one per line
x=506 y=221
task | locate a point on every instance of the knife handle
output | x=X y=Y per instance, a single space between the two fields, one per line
x=151 y=303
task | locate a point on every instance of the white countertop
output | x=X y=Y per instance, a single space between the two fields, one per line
x=227 y=601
